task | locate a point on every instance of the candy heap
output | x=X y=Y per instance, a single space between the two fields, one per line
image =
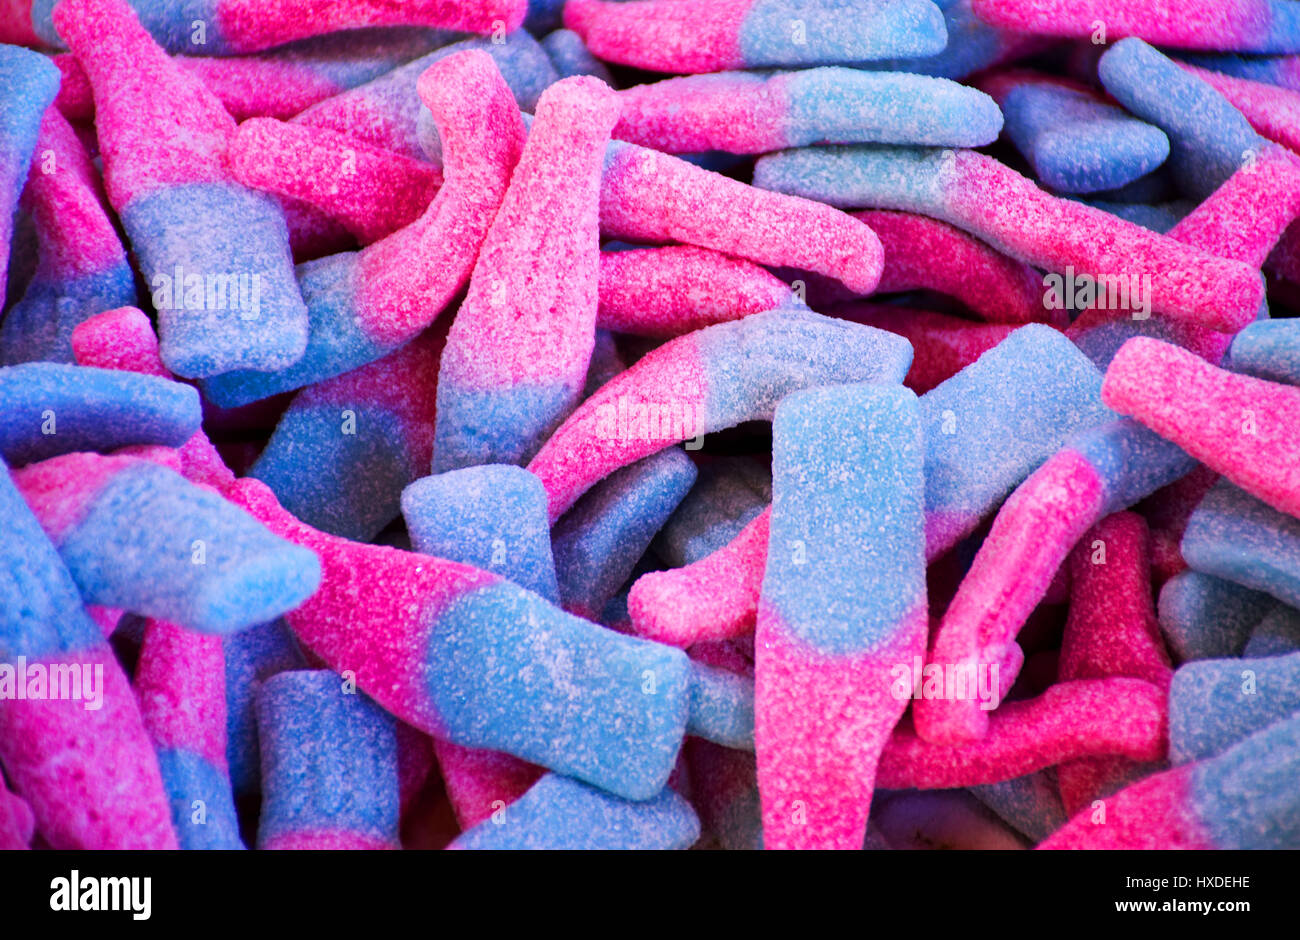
x=494 y=424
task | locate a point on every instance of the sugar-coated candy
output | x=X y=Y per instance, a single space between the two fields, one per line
x=755 y=112
x=365 y=435
x=1233 y=25
x=614 y=719
x=29 y=83
x=1203 y=617
x=224 y=302
x=252 y=656
x=47 y=409
x=649 y=424
x=329 y=766
x=80 y=757
x=705 y=381
x=137 y=535
x=992 y=201
x=848 y=523
x=492 y=517
x=365 y=304
x=715 y=35
x=82 y=267
x=1075 y=141
x=180 y=681
x=535 y=282
x=227 y=27
x=597 y=543
x=1214 y=703
x=676 y=289
x=1239 y=799
x=559 y=813
x=1234 y=536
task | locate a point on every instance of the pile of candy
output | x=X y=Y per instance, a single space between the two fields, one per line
x=649 y=424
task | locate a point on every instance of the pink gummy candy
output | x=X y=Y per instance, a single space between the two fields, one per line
x=357 y=185
x=405 y=280
x=1111 y=631
x=1241 y=426
x=714 y=598
x=1070 y=720
x=921 y=252
x=665 y=292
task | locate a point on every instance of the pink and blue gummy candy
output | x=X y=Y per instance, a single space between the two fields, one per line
x=717 y=35
x=81 y=267
x=466 y=656
x=1271 y=111
x=990 y=200
x=365 y=304
x=28 y=84
x=214 y=254
x=1243 y=798
x=1100 y=470
x=650 y=197
x=231 y=27
x=756 y=112
x=996 y=421
x=942 y=345
x=534 y=286
x=1209 y=139
x=180 y=684
x=252 y=656
x=138 y=536
x=1034 y=388
x=843 y=600
x=711 y=379
x=562 y=814
x=350 y=183
x=1111 y=630
x=1226 y=25
x=1277 y=634
x=1204 y=617
x=491 y=517
x=329 y=766
x=84 y=765
x=1074 y=140
x=363 y=436
x=994 y=287
x=597 y=543
x=279 y=82
x=1267 y=349
x=387 y=112
x=47 y=409
x=1234 y=536
x=1214 y=703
